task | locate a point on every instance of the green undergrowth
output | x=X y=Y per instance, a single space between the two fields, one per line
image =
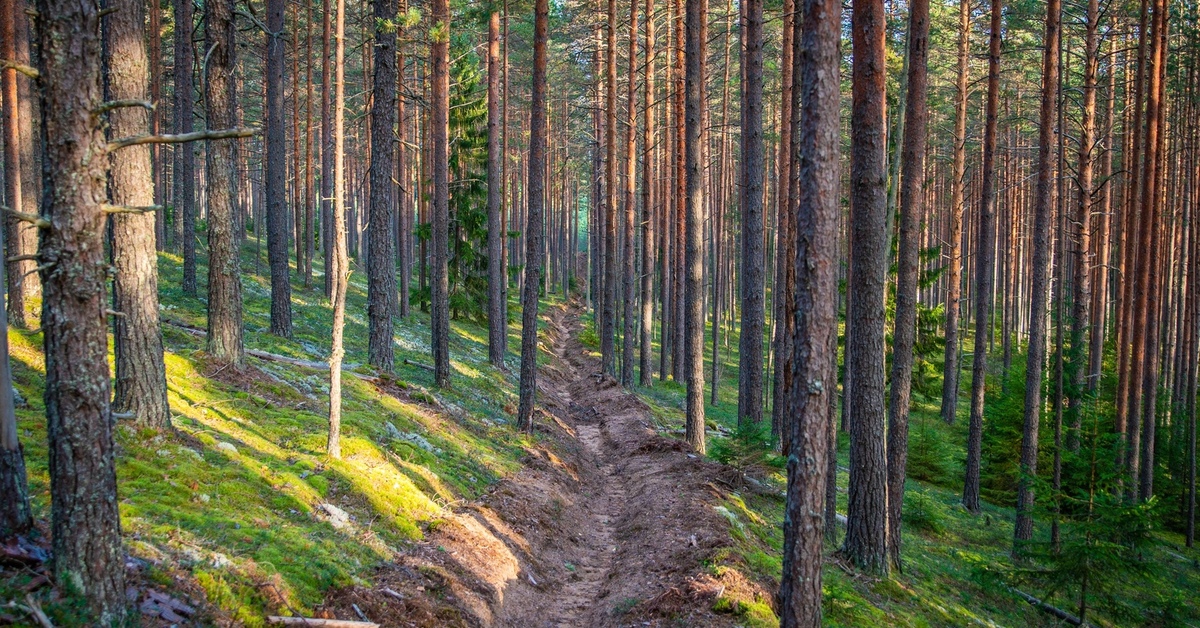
x=239 y=497
x=957 y=566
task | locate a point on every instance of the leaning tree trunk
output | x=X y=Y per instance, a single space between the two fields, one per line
x=141 y=385
x=957 y=183
x=815 y=327
x=85 y=522
x=750 y=345
x=276 y=175
x=439 y=167
x=986 y=260
x=183 y=172
x=912 y=201
x=497 y=308
x=533 y=227
x=1040 y=293
x=224 y=275
x=381 y=251
x=694 y=45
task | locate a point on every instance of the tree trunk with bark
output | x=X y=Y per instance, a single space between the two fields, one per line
x=381 y=251
x=629 y=287
x=750 y=362
x=184 y=184
x=439 y=169
x=276 y=175
x=339 y=270
x=648 y=235
x=19 y=236
x=141 y=383
x=695 y=39
x=533 y=226
x=497 y=308
x=954 y=262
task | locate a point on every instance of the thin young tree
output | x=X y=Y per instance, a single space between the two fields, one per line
x=276 y=175
x=327 y=148
x=750 y=345
x=817 y=137
x=439 y=120
x=183 y=172
x=533 y=226
x=381 y=250
x=984 y=264
x=912 y=201
x=648 y=183
x=141 y=382
x=340 y=260
x=85 y=521
x=696 y=15
x=1040 y=293
x=866 y=514
x=954 y=262
x=225 y=341
x=497 y=276
x=15 y=515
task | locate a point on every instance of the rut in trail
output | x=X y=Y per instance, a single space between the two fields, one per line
x=609 y=524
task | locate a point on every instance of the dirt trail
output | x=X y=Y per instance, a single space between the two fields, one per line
x=608 y=525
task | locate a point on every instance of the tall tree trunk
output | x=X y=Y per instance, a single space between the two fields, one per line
x=628 y=287
x=184 y=185
x=866 y=528
x=327 y=149
x=309 y=235
x=1103 y=270
x=224 y=274
x=750 y=362
x=276 y=174
x=649 y=139
x=608 y=314
x=1040 y=293
x=986 y=261
x=497 y=308
x=141 y=384
x=957 y=183
x=1082 y=296
x=381 y=251
x=536 y=198
x=340 y=267
x=19 y=236
x=781 y=293
x=695 y=39
x=912 y=202
x=439 y=169
x=404 y=223
x=816 y=60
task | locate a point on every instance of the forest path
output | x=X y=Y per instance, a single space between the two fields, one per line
x=640 y=520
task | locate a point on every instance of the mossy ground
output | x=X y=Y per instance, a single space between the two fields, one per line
x=230 y=497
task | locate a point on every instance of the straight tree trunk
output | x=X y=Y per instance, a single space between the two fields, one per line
x=141 y=383
x=695 y=40
x=608 y=315
x=1040 y=293
x=276 y=174
x=224 y=274
x=816 y=60
x=85 y=522
x=750 y=362
x=497 y=308
x=381 y=251
x=327 y=148
x=18 y=235
x=781 y=294
x=536 y=198
x=340 y=267
x=648 y=141
x=404 y=223
x=309 y=187
x=867 y=528
x=629 y=286
x=184 y=184
x=912 y=201
x=439 y=169
x=1100 y=294
x=984 y=266
x=957 y=183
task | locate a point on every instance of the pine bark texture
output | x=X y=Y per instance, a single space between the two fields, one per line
x=183 y=172
x=985 y=263
x=276 y=175
x=629 y=286
x=497 y=275
x=533 y=226
x=912 y=202
x=381 y=250
x=608 y=314
x=338 y=255
x=141 y=383
x=695 y=38
x=648 y=215
x=750 y=344
x=19 y=188
x=818 y=31
x=1035 y=364
x=950 y=370
x=224 y=275
x=439 y=168
x=866 y=529
x=85 y=522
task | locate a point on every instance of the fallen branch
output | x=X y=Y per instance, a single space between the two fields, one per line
x=328 y=623
x=275 y=357
x=222 y=134
x=32 y=609
x=419 y=365
x=1048 y=608
x=120 y=104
